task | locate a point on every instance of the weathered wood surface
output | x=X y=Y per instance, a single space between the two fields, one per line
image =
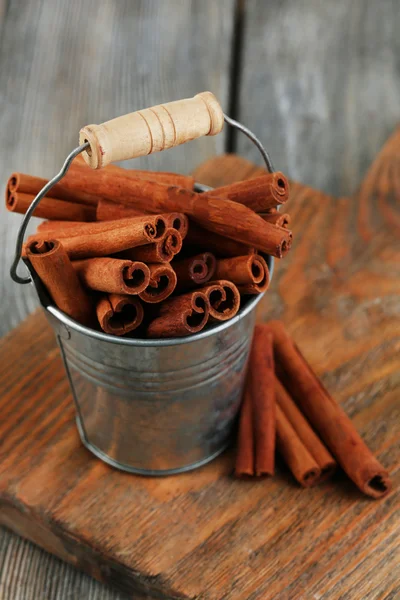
x=68 y=64
x=205 y=534
x=320 y=86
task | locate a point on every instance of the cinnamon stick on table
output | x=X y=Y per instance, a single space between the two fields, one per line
x=304 y=431
x=50 y=208
x=118 y=314
x=113 y=275
x=161 y=285
x=250 y=273
x=244 y=463
x=259 y=193
x=223 y=298
x=262 y=390
x=327 y=417
x=180 y=316
x=54 y=268
x=194 y=271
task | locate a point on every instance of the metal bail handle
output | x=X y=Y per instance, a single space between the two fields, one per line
x=86 y=147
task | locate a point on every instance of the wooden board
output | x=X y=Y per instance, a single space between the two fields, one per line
x=68 y=64
x=320 y=86
x=205 y=534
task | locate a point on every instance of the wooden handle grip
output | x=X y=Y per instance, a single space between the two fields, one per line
x=152 y=130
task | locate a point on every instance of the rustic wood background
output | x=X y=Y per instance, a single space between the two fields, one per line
x=318 y=81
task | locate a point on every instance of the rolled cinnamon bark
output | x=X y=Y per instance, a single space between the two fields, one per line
x=194 y=271
x=118 y=314
x=262 y=389
x=113 y=275
x=223 y=298
x=55 y=226
x=259 y=193
x=54 y=268
x=162 y=251
x=28 y=184
x=219 y=245
x=304 y=431
x=244 y=464
x=327 y=417
x=249 y=273
x=277 y=218
x=179 y=316
x=161 y=285
x=108 y=210
x=178 y=221
x=108 y=237
x=50 y=208
x=222 y=216
x=294 y=453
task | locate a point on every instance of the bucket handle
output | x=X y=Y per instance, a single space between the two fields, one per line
x=87 y=148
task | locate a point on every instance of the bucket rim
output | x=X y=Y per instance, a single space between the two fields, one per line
x=149 y=343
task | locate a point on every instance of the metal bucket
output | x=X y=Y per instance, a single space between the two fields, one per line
x=155 y=407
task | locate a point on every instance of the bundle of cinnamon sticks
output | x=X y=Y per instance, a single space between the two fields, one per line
x=138 y=251
x=286 y=408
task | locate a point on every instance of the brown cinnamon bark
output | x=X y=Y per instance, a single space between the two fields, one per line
x=55 y=226
x=217 y=244
x=180 y=316
x=194 y=271
x=162 y=251
x=118 y=314
x=327 y=417
x=108 y=237
x=222 y=216
x=277 y=218
x=223 y=299
x=178 y=221
x=28 y=184
x=249 y=273
x=294 y=453
x=50 y=208
x=304 y=431
x=262 y=389
x=108 y=211
x=113 y=275
x=244 y=464
x=54 y=268
x=259 y=194
x=161 y=285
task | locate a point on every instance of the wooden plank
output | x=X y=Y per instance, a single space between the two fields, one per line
x=204 y=534
x=320 y=86
x=67 y=64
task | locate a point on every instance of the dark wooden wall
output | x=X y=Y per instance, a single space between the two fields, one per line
x=318 y=81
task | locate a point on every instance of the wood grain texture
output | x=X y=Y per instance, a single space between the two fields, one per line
x=204 y=534
x=68 y=64
x=320 y=84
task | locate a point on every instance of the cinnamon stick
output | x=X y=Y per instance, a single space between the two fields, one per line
x=90 y=240
x=162 y=251
x=304 y=431
x=222 y=216
x=259 y=193
x=118 y=314
x=217 y=244
x=194 y=271
x=54 y=268
x=178 y=221
x=277 y=218
x=161 y=285
x=108 y=210
x=327 y=417
x=244 y=464
x=113 y=275
x=223 y=299
x=262 y=389
x=180 y=316
x=50 y=208
x=294 y=452
x=28 y=184
x=249 y=273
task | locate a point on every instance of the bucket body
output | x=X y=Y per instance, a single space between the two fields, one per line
x=156 y=407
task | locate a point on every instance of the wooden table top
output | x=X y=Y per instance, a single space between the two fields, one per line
x=317 y=81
